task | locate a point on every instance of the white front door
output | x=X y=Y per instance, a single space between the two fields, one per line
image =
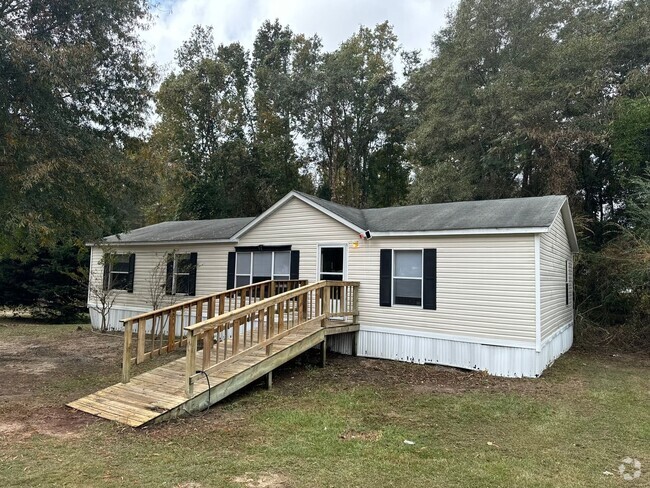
x=332 y=265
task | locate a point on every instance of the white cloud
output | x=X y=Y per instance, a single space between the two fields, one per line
x=415 y=21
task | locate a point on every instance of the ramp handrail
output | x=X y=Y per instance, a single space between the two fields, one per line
x=258 y=325
x=163 y=330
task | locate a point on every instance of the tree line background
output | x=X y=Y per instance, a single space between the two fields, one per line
x=516 y=98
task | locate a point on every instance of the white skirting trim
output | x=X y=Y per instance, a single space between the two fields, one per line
x=114 y=316
x=506 y=361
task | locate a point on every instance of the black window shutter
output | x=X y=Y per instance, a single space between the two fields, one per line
x=129 y=281
x=385 y=277
x=230 y=281
x=107 y=273
x=169 y=279
x=294 y=273
x=429 y=273
x=192 y=284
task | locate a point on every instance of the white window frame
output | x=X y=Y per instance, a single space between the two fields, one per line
x=175 y=272
x=345 y=259
x=111 y=272
x=421 y=278
x=250 y=270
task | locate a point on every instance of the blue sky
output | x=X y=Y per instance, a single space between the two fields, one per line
x=414 y=21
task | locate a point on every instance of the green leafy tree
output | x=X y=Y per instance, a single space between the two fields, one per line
x=529 y=98
x=356 y=121
x=74 y=89
x=230 y=160
x=521 y=94
x=74 y=85
x=276 y=114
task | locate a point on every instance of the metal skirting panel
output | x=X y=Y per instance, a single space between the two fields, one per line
x=505 y=361
x=114 y=316
x=341 y=343
x=555 y=346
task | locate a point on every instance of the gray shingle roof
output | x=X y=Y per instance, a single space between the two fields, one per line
x=511 y=213
x=353 y=215
x=182 y=230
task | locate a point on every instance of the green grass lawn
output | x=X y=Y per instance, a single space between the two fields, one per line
x=341 y=426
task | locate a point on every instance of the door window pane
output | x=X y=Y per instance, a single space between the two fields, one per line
x=408 y=264
x=331 y=260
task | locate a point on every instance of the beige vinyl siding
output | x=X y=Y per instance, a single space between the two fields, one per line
x=485 y=288
x=554 y=253
x=303 y=227
x=212 y=263
x=486 y=284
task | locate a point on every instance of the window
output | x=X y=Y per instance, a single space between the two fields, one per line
x=181 y=274
x=331 y=263
x=118 y=271
x=408 y=277
x=252 y=264
x=253 y=267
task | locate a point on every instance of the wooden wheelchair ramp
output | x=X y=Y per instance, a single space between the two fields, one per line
x=230 y=349
x=159 y=394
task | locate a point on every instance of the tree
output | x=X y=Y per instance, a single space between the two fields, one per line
x=275 y=119
x=74 y=87
x=205 y=126
x=529 y=98
x=357 y=121
x=521 y=95
x=74 y=84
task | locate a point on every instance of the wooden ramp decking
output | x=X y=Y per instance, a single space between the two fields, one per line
x=159 y=394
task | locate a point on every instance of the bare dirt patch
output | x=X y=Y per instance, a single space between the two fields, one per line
x=45 y=367
x=59 y=421
x=265 y=480
x=355 y=435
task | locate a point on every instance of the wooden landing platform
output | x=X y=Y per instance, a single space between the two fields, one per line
x=159 y=394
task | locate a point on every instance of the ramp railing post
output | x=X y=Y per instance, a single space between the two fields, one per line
x=190 y=362
x=126 y=352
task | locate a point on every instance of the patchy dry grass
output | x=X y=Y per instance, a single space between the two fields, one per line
x=344 y=425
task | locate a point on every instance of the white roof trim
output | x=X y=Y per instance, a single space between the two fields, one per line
x=160 y=243
x=456 y=232
x=569 y=227
x=570 y=230
x=281 y=203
